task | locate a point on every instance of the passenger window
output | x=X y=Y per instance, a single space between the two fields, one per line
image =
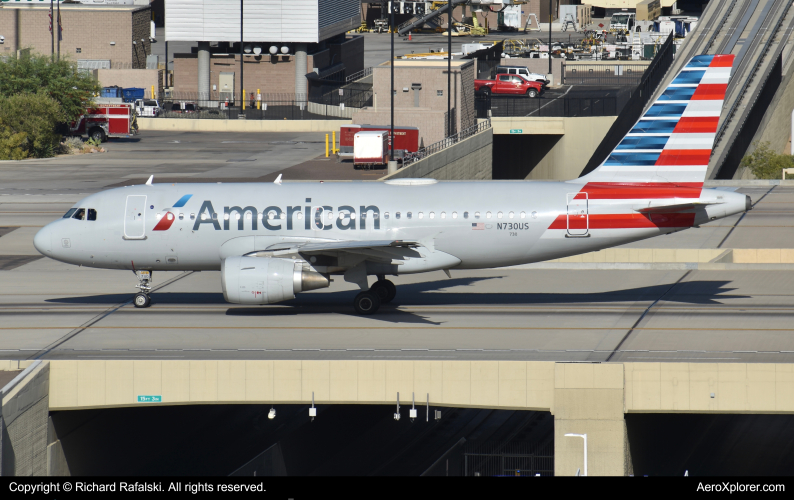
x=487 y=215
x=499 y=215
x=169 y=216
x=421 y=215
x=465 y=215
x=454 y=215
x=511 y=215
x=69 y=213
x=91 y=214
x=397 y=215
x=476 y=215
x=215 y=216
x=432 y=215
x=385 y=215
x=408 y=215
x=79 y=214
x=204 y=217
x=374 y=215
x=300 y=215
x=523 y=214
x=443 y=215
x=181 y=216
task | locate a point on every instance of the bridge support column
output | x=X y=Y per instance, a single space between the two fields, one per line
x=588 y=399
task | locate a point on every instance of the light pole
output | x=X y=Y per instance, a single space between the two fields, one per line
x=449 y=69
x=550 y=17
x=391 y=67
x=583 y=436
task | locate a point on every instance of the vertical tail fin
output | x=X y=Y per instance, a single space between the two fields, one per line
x=672 y=142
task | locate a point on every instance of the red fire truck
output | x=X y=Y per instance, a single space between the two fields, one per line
x=406 y=138
x=102 y=121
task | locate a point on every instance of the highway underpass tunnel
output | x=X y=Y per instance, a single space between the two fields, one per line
x=711 y=445
x=342 y=440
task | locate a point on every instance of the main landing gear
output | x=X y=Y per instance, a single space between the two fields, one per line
x=142 y=298
x=382 y=291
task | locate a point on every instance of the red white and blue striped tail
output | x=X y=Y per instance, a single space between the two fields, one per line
x=672 y=142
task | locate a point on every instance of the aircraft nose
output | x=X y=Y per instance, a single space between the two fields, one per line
x=43 y=241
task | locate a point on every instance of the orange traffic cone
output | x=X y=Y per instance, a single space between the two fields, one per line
x=409 y=36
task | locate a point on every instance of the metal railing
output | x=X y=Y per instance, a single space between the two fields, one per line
x=445 y=143
x=228 y=106
x=512 y=459
x=548 y=106
x=358 y=75
x=617 y=74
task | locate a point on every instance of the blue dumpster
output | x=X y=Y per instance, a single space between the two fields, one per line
x=132 y=93
x=110 y=92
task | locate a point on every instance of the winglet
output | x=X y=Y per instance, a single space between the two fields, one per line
x=149 y=182
x=278 y=180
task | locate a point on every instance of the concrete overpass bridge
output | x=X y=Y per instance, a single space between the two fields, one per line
x=584 y=398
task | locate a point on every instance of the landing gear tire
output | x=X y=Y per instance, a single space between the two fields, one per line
x=142 y=300
x=385 y=290
x=366 y=303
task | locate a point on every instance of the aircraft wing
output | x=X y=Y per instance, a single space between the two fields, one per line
x=307 y=247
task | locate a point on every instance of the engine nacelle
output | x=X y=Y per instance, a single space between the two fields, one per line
x=263 y=280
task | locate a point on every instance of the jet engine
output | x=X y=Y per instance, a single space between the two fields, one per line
x=263 y=280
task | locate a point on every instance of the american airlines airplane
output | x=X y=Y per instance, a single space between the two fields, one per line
x=271 y=241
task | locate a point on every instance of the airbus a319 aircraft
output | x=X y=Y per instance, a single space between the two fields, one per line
x=273 y=240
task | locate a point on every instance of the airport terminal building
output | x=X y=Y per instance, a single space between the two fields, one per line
x=282 y=42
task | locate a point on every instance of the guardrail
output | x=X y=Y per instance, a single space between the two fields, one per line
x=358 y=75
x=445 y=143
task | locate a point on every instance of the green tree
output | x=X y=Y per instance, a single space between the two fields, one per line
x=13 y=146
x=764 y=163
x=35 y=116
x=60 y=80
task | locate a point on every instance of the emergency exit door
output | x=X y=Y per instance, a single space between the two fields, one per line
x=578 y=217
x=135 y=218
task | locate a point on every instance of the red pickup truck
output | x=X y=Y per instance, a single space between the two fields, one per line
x=509 y=85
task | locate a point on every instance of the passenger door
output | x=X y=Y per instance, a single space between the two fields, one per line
x=135 y=218
x=578 y=217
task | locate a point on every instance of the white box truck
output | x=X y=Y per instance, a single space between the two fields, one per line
x=370 y=148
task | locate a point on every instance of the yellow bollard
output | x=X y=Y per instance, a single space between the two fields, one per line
x=258 y=101
x=326 y=145
x=333 y=142
x=153 y=97
x=243 y=96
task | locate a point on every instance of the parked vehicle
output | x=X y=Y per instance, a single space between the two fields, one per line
x=103 y=121
x=406 y=139
x=147 y=107
x=184 y=107
x=509 y=85
x=370 y=148
x=523 y=71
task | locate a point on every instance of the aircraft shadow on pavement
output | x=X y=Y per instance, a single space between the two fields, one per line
x=434 y=293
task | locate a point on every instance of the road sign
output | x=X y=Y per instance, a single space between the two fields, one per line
x=150 y=399
x=516 y=131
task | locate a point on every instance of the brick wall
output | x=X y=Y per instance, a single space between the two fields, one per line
x=89 y=29
x=141 y=30
x=268 y=74
x=429 y=115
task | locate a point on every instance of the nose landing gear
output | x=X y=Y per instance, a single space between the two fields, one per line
x=142 y=298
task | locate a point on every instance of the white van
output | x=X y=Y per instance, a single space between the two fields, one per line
x=147 y=108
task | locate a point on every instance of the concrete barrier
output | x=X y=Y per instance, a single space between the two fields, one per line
x=242 y=126
x=469 y=159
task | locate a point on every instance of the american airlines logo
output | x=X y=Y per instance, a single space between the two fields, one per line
x=275 y=218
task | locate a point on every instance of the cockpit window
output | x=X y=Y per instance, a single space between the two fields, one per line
x=91 y=214
x=69 y=213
x=79 y=214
